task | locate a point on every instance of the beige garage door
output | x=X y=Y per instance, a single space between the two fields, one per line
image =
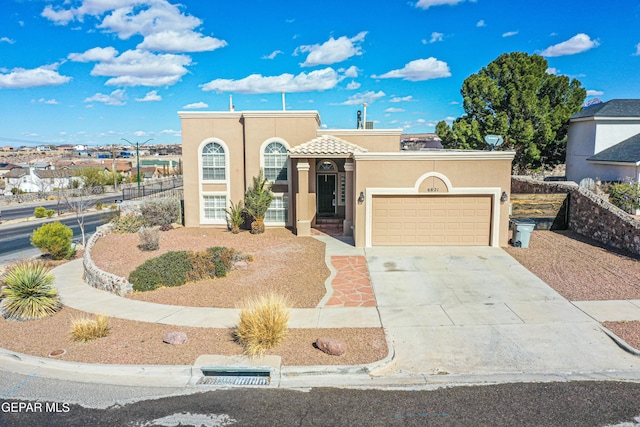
x=431 y=220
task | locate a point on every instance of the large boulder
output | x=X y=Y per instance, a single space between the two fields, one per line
x=175 y=338
x=331 y=346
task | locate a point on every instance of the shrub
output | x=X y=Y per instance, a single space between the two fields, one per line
x=169 y=269
x=29 y=292
x=40 y=212
x=257 y=200
x=53 y=238
x=626 y=196
x=149 y=239
x=203 y=266
x=85 y=329
x=166 y=227
x=99 y=205
x=263 y=323
x=161 y=211
x=127 y=223
x=235 y=217
x=49 y=213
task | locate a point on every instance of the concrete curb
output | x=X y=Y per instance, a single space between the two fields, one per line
x=621 y=343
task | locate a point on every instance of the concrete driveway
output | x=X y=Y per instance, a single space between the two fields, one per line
x=463 y=310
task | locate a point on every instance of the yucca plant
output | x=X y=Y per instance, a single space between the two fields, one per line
x=257 y=200
x=85 y=329
x=234 y=216
x=263 y=323
x=29 y=293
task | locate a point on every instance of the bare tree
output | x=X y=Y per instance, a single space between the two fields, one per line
x=79 y=202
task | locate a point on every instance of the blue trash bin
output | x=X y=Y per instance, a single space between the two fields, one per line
x=522 y=229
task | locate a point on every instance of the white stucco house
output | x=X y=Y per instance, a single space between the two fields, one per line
x=604 y=142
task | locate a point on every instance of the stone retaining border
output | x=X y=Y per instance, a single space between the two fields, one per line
x=589 y=214
x=98 y=278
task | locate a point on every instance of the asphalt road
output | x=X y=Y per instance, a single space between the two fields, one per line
x=536 y=404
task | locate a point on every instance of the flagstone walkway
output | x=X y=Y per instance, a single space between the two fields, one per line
x=352 y=284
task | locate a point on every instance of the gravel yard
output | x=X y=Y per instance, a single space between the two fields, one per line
x=581 y=269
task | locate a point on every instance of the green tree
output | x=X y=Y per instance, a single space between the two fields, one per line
x=95 y=177
x=257 y=200
x=53 y=238
x=515 y=97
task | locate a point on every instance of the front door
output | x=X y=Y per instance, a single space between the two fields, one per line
x=326 y=194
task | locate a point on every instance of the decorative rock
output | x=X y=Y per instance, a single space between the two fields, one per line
x=240 y=265
x=331 y=346
x=175 y=338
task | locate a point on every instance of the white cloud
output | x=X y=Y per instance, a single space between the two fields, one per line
x=365 y=97
x=186 y=41
x=595 y=93
x=407 y=98
x=151 y=96
x=510 y=34
x=552 y=70
x=45 y=101
x=333 y=50
x=436 y=37
x=196 y=105
x=351 y=72
x=171 y=132
x=353 y=85
x=419 y=70
x=323 y=79
x=481 y=23
x=394 y=110
x=117 y=97
x=7 y=40
x=637 y=52
x=20 y=78
x=576 y=44
x=426 y=4
x=162 y=24
x=135 y=67
x=273 y=54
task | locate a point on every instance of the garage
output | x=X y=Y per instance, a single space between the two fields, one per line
x=443 y=220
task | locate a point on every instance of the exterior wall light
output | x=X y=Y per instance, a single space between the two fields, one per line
x=504 y=197
x=361 y=198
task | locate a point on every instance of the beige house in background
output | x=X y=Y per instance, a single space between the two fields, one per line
x=382 y=196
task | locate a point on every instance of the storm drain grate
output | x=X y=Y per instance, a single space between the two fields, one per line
x=235 y=376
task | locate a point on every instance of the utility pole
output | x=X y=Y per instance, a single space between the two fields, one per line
x=137 y=145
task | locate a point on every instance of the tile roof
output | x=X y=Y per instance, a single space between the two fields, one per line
x=627 y=151
x=326 y=145
x=613 y=108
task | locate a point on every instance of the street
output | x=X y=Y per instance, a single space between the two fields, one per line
x=526 y=404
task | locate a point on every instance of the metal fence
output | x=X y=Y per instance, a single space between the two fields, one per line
x=151 y=188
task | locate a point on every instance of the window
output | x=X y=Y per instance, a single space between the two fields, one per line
x=213 y=162
x=279 y=210
x=214 y=208
x=275 y=162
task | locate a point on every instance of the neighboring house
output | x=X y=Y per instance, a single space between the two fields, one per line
x=604 y=142
x=358 y=176
x=43 y=148
x=5 y=168
x=31 y=180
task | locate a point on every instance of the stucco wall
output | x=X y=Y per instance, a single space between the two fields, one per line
x=589 y=214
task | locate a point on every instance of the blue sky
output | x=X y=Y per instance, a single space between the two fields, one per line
x=96 y=71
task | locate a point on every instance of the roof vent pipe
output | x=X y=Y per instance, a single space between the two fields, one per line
x=284 y=104
x=231 y=107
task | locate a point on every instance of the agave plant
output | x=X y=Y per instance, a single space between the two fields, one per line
x=29 y=293
x=257 y=200
x=234 y=216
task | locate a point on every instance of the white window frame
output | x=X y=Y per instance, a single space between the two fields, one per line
x=203 y=209
x=263 y=148
x=201 y=166
x=285 y=209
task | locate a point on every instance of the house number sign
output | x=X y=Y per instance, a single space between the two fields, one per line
x=433 y=190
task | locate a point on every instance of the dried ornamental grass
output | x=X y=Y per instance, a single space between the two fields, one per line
x=85 y=329
x=263 y=323
x=29 y=293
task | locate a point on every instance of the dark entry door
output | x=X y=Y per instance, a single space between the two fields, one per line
x=326 y=190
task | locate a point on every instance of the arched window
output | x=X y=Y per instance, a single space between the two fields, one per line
x=275 y=162
x=213 y=162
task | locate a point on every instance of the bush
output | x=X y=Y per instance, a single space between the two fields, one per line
x=626 y=196
x=29 y=293
x=161 y=211
x=85 y=329
x=53 y=238
x=40 y=212
x=263 y=324
x=149 y=239
x=169 y=269
x=99 y=205
x=166 y=227
x=203 y=266
x=127 y=223
x=49 y=213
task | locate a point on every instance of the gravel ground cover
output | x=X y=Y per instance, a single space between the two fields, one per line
x=581 y=269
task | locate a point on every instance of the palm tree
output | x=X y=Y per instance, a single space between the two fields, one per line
x=257 y=200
